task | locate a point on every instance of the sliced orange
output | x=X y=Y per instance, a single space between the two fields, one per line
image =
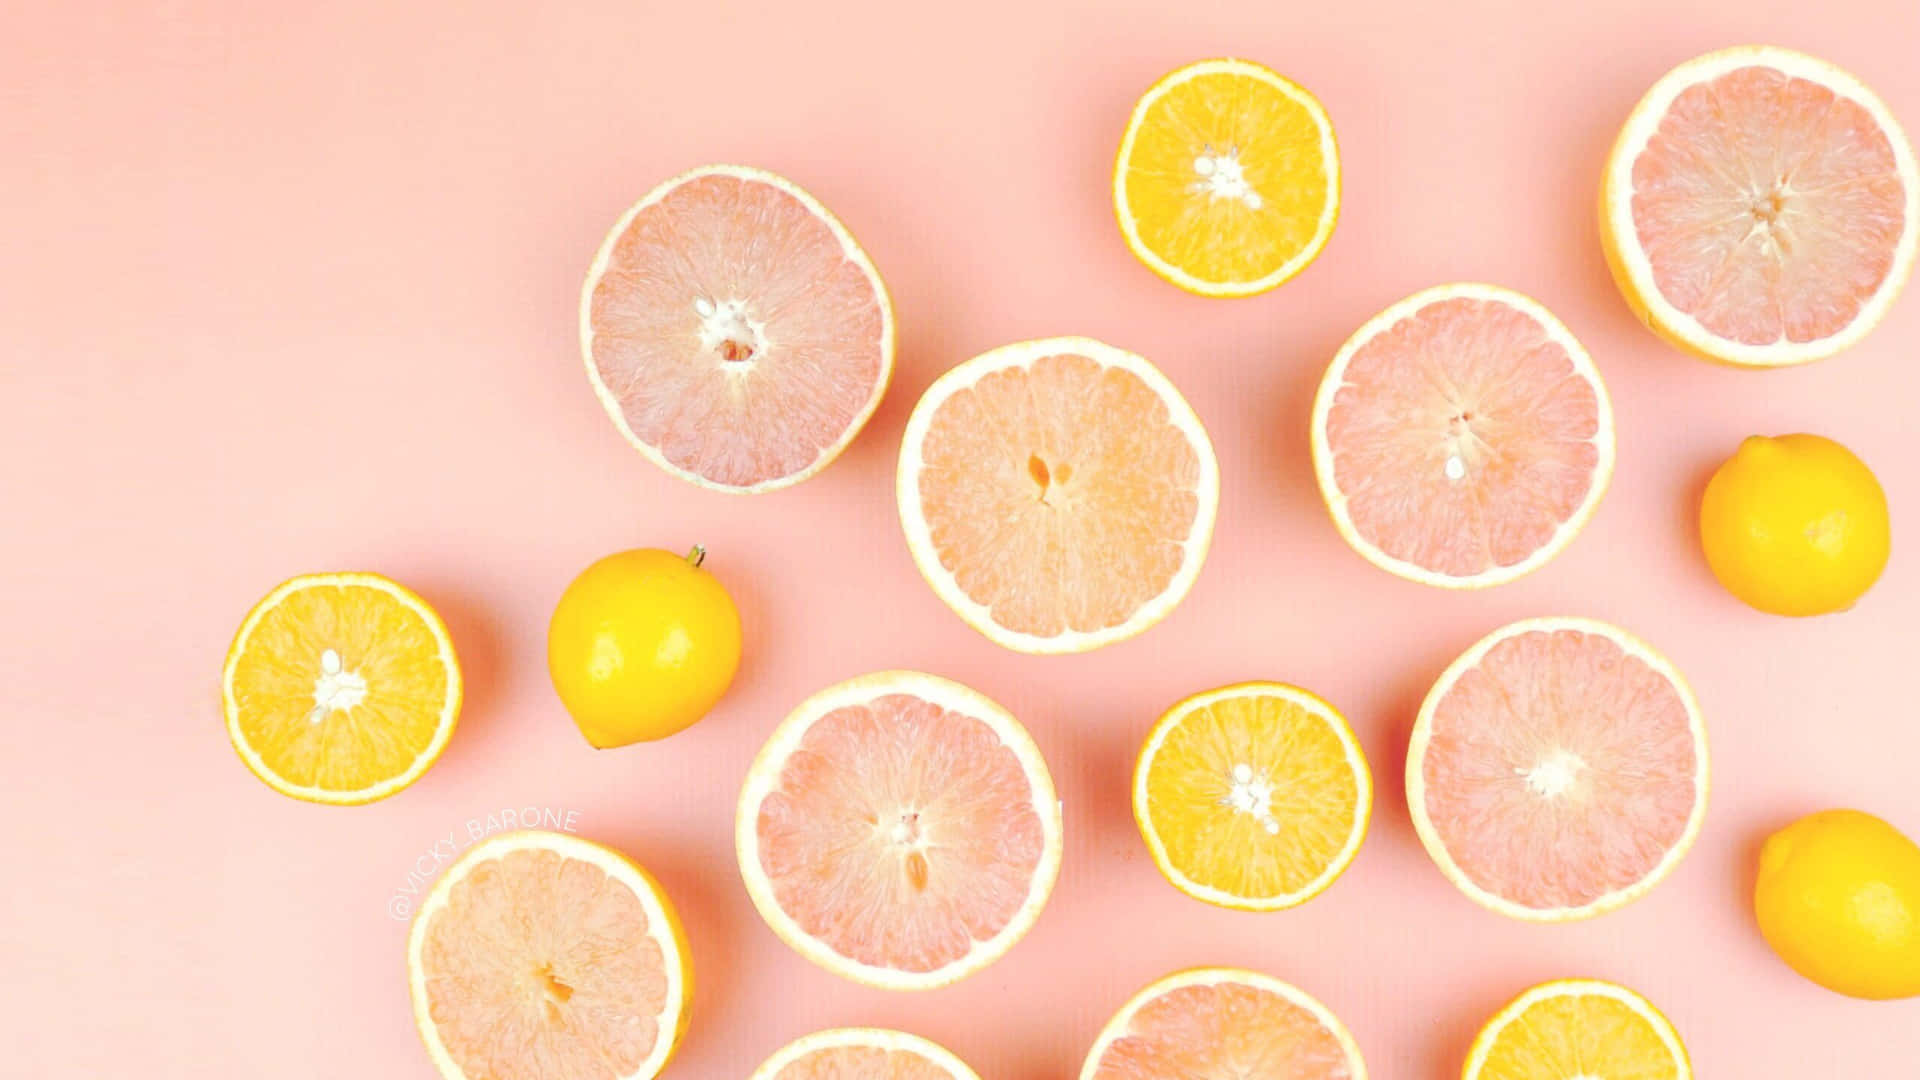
x=899 y=830
x=341 y=688
x=545 y=955
x=1059 y=495
x=1223 y=1022
x=866 y=1054
x=1254 y=796
x=1761 y=207
x=1576 y=1029
x=1228 y=179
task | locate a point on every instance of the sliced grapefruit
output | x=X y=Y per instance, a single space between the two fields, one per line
x=1760 y=207
x=1220 y=1022
x=341 y=688
x=1254 y=796
x=1059 y=495
x=1578 y=1028
x=545 y=956
x=899 y=830
x=735 y=332
x=1558 y=770
x=1228 y=179
x=1462 y=437
x=863 y=1054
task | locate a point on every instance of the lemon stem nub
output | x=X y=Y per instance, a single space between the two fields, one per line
x=697 y=556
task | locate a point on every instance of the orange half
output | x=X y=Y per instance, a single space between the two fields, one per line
x=1577 y=1028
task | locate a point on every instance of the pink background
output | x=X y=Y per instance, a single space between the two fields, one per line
x=296 y=292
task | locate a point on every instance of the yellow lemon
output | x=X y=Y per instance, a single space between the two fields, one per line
x=642 y=644
x=1838 y=898
x=1795 y=525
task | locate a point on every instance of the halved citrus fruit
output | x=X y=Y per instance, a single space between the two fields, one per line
x=1059 y=495
x=1558 y=769
x=1253 y=796
x=1228 y=179
x=545 y=956
x=340 y=688
x=899 y=830
x=735 y=332
x=1462 y=437
x=1760 y=207
x=1223 y=1022
x=1576 y=1029
x=865 y=1054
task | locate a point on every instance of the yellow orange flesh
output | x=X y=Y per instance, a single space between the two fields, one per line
x=1228 y=180
x=341 y=688
x=1253 y=796
x=1578 y=1030
x=1058 y=494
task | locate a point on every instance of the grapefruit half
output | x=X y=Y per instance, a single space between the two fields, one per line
x=899 y=830
x=1462 y=437
x=1059 y=494
x=545 y=956
x=1761 y=207
x=1223 y=1022
x=863 y=1054
x=1558 y=770
x=736 y=333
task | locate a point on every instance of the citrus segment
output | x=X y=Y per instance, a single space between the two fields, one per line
x=1223 y=1022
x=1462 y=437
x=900 y=830
x=1228 y=180
x=341 y=688
x=544 y=956
x=735 y=332
x=1577 y=1029
x=1558 y=769
x=1761 y=207
x=1058 y=494
x=1253 y=796
x=863 y=1054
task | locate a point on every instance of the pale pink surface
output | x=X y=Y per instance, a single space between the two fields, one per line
x=287 y=292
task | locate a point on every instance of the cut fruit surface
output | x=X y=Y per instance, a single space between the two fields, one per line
x=341 y=688
x=1761 y=207
x=1558 y=770
x=1223 y=1022
x=544 y=956
x=899 y=830
x=1462 y=437
x=863 y=1054
x=1578 y=1029
x=735 y=332
x=1228 y=179
x=1059 y=495
x=1253 y=796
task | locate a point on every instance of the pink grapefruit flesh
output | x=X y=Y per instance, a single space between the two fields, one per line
x=863 y=1054
x=1558 y=769
x=1462 y=437
x=734 y=330
x=900 y=830
x=1223 y=1023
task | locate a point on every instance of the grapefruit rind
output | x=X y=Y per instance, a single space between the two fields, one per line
x=1633 y=272
x=1423 y=735
x=663 y=924
x=849 y=246
x=1117 y=1028
x=1331 y=383
x=764 y=775
x=876 y=1038
x=920 y=537
x=1489 y=1037
x=443 y=730
x=1356 y=758
x=1329 y=155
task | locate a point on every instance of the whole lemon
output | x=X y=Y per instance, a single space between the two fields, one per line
x=642 y=644
x=1839 y=899
x=1795 y=525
